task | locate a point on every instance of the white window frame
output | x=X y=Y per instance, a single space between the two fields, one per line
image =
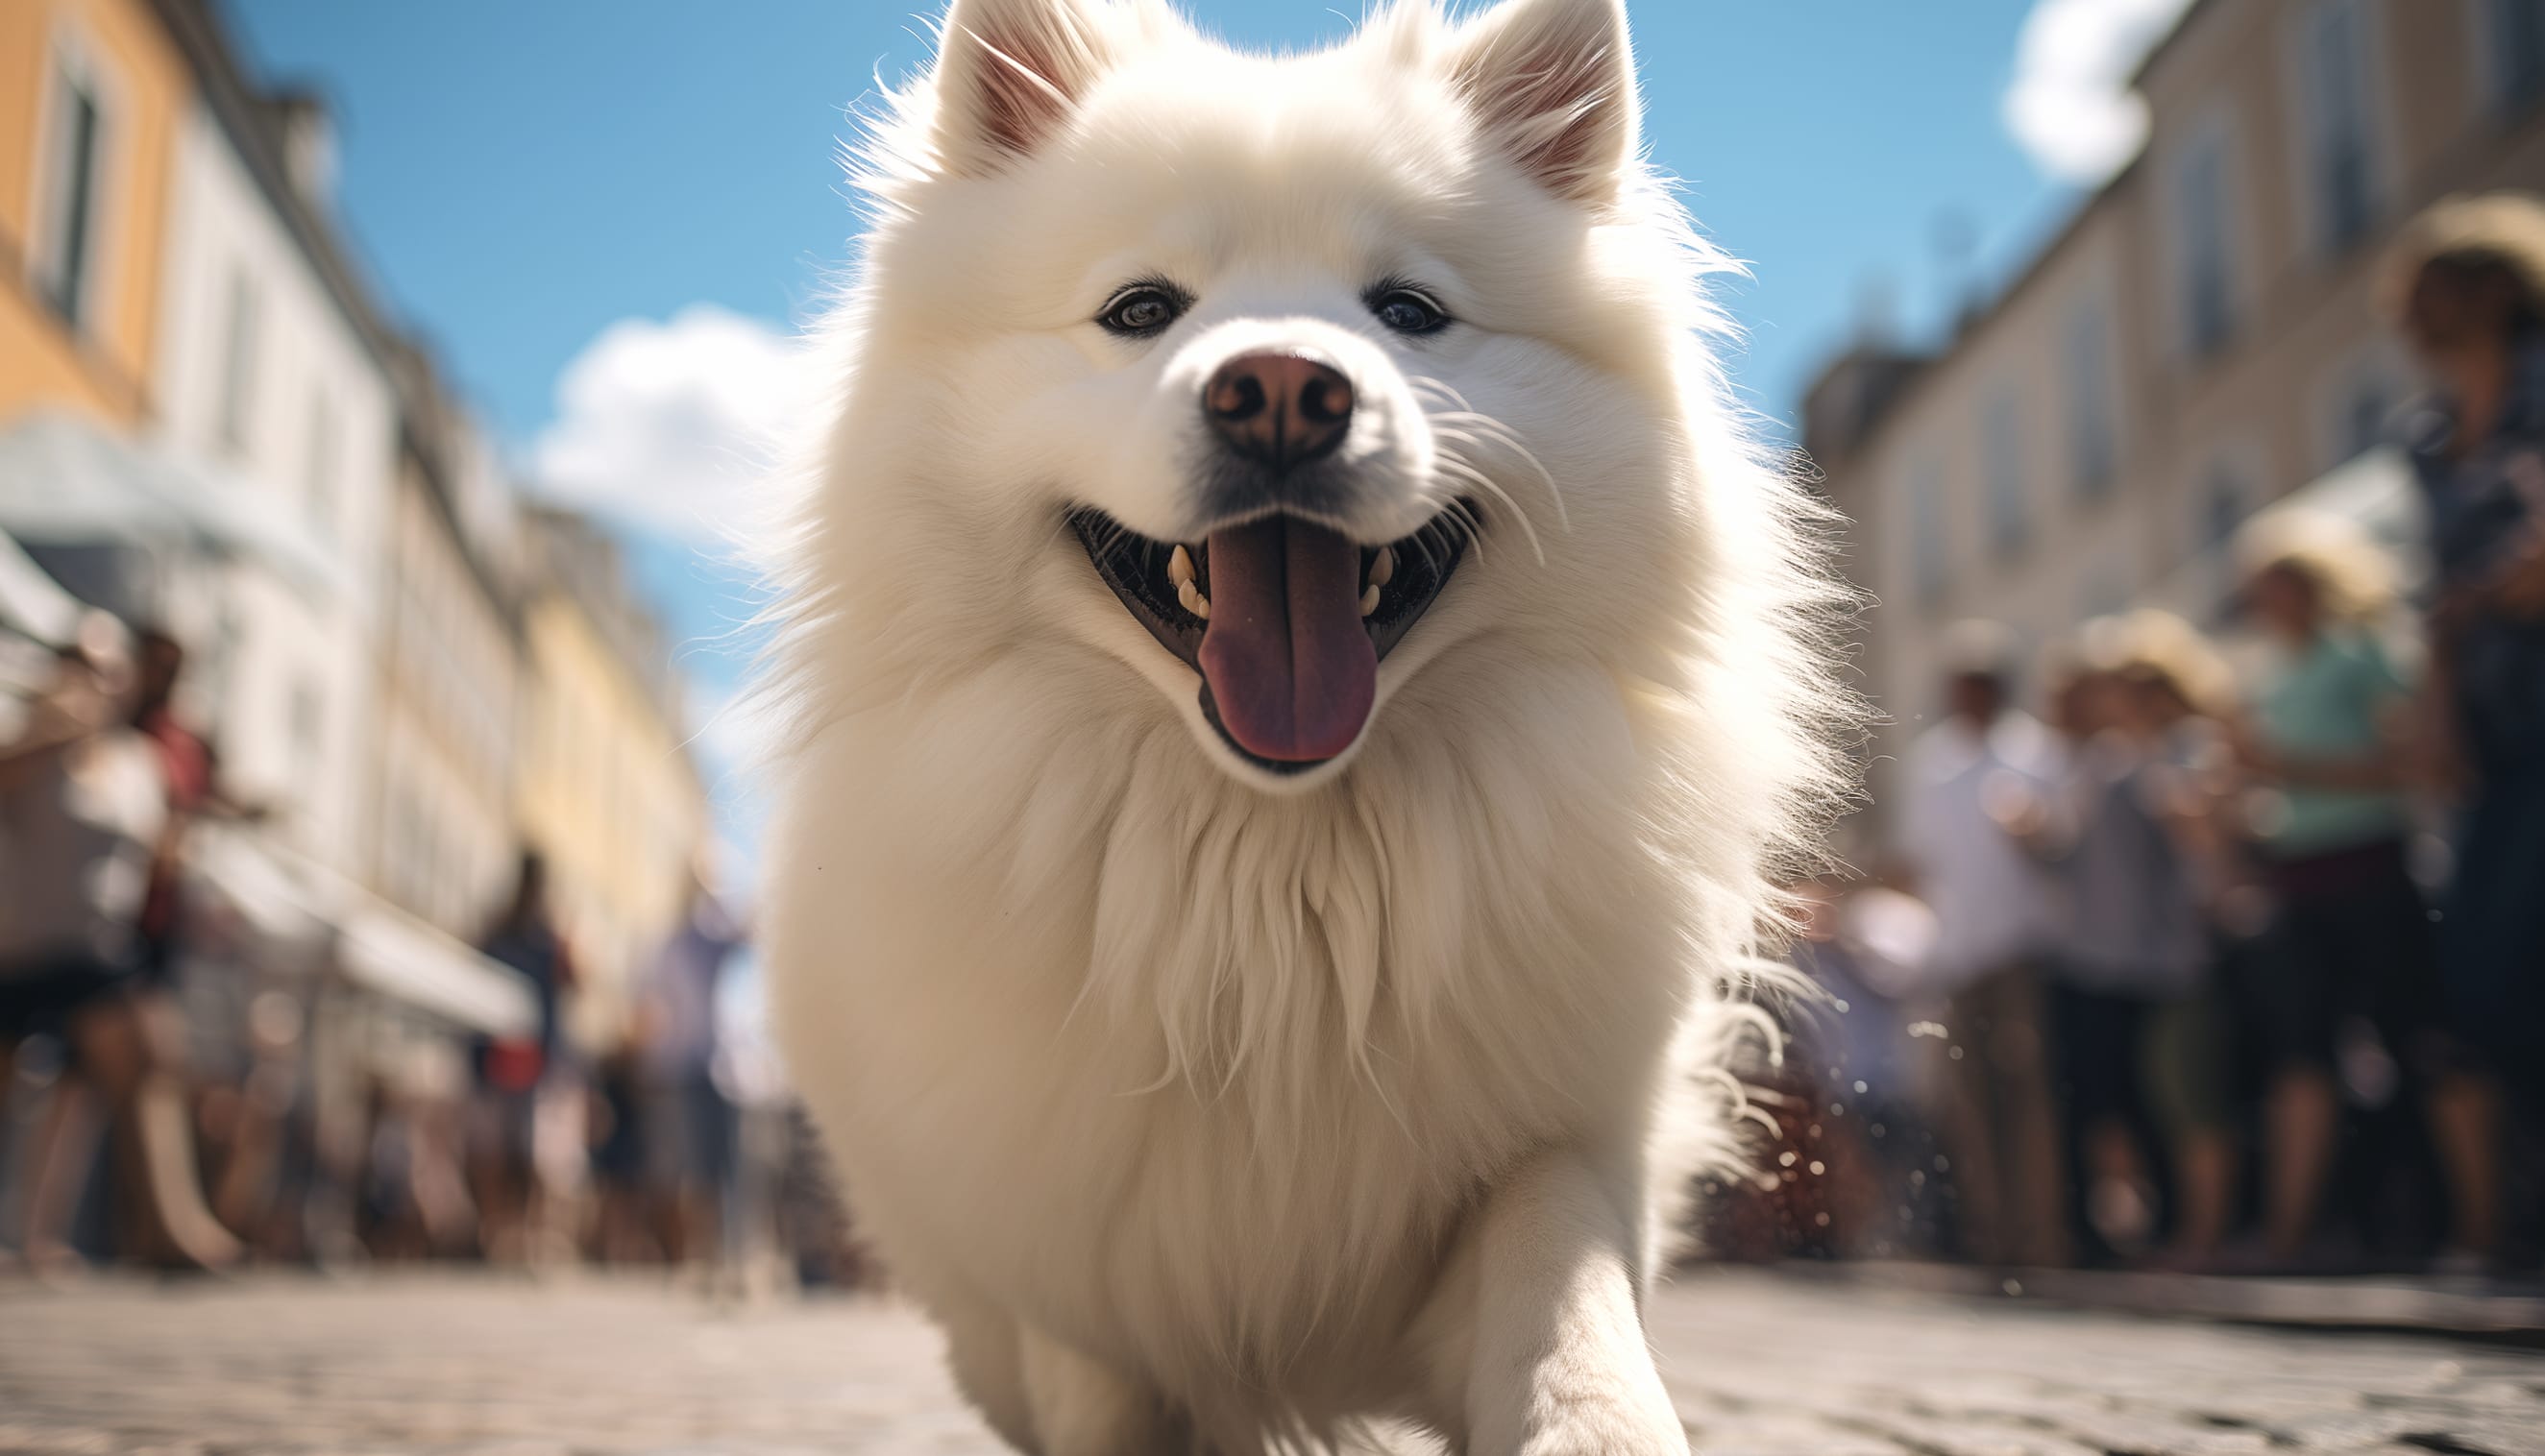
x=70 y=56
x=2213 y=137
x=2311 y=119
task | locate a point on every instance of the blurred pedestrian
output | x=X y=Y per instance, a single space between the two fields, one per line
x=255 y=1107
x=2468 y=282
x=622 y=1230
x=512 y=1070
x=691 y=1125
x=1851 y=1052
x=1968 y=780
x=2177 y=692
x=2131 y=939
x=2353 y=977
x=84 y=817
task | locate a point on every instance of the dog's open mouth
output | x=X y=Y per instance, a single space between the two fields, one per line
x=1285 y=620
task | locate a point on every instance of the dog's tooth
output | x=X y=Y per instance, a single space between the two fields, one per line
x=1369 y=599
x=1179 y=569
x=1383 y=568
x=1193 y=598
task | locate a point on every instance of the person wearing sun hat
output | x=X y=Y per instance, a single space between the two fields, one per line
x=2466 y=285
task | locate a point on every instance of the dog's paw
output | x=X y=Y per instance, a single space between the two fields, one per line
x=1603 y=1425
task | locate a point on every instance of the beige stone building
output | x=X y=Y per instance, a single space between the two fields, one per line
x=445 y=838
x=606 y=788
x=2200 y=341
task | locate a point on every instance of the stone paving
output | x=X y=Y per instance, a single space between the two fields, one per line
x=407 y=1365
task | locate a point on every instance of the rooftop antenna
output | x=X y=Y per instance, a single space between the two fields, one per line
x=1957 y=241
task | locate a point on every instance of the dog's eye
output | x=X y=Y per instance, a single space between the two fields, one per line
x=1141 y=310
x=1406 y=310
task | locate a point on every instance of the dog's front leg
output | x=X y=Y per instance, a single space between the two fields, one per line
x=1558 y=1365
x=1085 y=1408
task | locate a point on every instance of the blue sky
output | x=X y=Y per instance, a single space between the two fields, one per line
x=523 y=176
x=593 y=207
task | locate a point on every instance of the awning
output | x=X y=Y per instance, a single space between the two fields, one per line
x=32 y=603
x=2375 y=489
x=411 y=962
x=68 y=481
x=278 y=899
x=288 y=898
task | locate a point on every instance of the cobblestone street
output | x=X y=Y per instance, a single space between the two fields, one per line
x=483 y=1366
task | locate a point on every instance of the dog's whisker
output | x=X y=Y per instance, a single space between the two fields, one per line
x=1498 y=433
x=1442 y=386
x=1482 y=481
x=1468 y=524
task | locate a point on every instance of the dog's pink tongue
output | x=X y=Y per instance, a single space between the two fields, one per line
x=1289 y=662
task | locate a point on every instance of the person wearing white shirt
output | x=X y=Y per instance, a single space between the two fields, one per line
x=1971 y=781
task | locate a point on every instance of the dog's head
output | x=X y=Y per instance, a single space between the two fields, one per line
x=1281 y=378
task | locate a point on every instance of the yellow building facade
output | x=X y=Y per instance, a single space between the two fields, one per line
x=607 y=790
x=92 y=96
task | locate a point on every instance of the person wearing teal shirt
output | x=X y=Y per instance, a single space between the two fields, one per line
x=2324 y=719
x=2324 y=743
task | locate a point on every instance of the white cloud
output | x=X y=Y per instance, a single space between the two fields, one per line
x=668 y=426
x=2069 y=106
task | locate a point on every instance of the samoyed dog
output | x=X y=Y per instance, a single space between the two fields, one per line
x=1299 y=688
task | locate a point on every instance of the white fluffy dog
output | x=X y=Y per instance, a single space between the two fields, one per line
x=1301 y=683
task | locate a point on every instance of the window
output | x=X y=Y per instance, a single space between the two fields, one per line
x=318 y=471
x=2001 y=460
x=66 y=245
x=2335 y=68
x=1931 y=560
x=2511 y=42
x=2091 y=442
x=2203 y=246
x=238 y=358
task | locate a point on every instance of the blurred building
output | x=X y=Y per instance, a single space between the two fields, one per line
x=272 y=374
x=92 y=97
x=2200 y=341
x=609 y=793
x=206 y=425
x=444 y=839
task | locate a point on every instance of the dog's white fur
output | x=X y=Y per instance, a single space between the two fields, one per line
x=1209 y=1110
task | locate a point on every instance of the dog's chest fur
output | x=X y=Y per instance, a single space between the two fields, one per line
x=1205 y=1078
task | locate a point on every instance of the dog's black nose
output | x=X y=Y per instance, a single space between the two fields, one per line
x=1281 y=409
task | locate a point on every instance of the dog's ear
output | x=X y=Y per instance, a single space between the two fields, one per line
x=1554 y=81
x=1009 y=72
